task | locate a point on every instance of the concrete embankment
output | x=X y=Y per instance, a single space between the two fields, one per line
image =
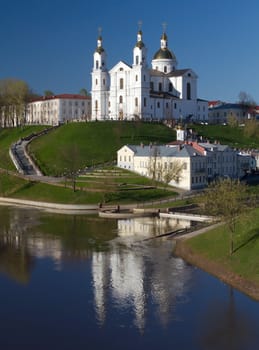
x=57 y=207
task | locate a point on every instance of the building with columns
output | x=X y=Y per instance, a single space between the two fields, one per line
x=141 y=92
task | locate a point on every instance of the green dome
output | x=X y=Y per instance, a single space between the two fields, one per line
x=164 y=54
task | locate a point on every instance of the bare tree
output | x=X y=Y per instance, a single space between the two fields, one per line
x=161 y=170
x=172 y=171
x=153 y=164
x=71 y=157
x=245 y=99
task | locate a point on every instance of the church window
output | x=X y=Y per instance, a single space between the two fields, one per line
x=96 y=64
x=189 y=74
x=165 y=69
x=188 y=91
x=121 y=83
x=109 y=104
x=145 y=102
x=103 y=81
x=121 y=99
x=152 y=86
x=167 y=105
x=175 y=106
x=96 y=81
x=158 y=104
x=144 y=78
x=96 y=105
x=137 y=59
x=136 y=102
x=170 y=87
x=160 y=86
x=136 y=78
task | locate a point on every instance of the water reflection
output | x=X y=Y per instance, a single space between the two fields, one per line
x=102 y=279
x=125 y=267
x=137 y=273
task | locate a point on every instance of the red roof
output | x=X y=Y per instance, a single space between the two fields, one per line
x=63 y=96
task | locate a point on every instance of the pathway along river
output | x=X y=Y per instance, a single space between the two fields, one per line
x=83 y=282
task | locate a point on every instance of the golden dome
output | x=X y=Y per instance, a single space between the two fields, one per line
x=164 y=54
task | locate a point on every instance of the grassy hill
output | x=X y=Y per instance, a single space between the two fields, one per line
x=88 y=144
x=83 y=144
x=11 y=135
x=225 y=134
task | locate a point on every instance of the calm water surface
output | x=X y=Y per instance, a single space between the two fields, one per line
x=81 y=282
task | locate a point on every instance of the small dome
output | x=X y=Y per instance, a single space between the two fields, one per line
x=99 y=49
x=164 y=54
x=140 y=44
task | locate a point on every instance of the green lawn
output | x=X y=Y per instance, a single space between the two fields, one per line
x=93 y=143
x=227 y=135
x=214 y=245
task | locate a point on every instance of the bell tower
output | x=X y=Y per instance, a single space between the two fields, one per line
x=100 y=82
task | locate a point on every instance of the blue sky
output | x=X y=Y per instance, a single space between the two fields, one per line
x=50 y=43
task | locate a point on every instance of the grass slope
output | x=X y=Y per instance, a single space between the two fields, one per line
x=225 y=134
x=11 y=135
x=214 y=246
x=96 y=142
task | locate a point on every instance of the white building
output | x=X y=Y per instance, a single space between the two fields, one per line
x=132 y=92
x=200 y=163
x=58 y=109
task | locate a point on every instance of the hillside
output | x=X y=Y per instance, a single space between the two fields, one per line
x=233 y=136
x=80 y=145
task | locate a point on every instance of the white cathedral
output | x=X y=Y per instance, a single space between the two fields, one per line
x=138 y=92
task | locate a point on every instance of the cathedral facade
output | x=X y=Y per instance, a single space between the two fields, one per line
x=140 y=92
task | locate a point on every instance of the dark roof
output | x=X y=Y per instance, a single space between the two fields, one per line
x=164 y=151
x=178 y=72
x=227 y=106
x=174 y=73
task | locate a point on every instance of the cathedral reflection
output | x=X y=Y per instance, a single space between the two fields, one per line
x=137 y=273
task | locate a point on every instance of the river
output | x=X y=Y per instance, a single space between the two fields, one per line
x=83 y=282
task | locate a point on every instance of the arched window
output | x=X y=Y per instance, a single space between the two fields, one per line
x=137 y=59
x=96 y=81
x=136 y=102
x=96 y=105
x=96 y=64
x=165 y=69
x=103 y=81
x=121 y=99
x=160 y=86
x=136 y=78
x=121 y=83
x=188 y=91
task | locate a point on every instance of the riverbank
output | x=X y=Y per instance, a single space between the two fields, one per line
x=218 y=269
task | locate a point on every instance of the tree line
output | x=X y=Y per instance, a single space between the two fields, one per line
x=15 y=94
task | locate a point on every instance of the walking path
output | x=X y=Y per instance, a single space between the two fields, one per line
x=28 y=169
